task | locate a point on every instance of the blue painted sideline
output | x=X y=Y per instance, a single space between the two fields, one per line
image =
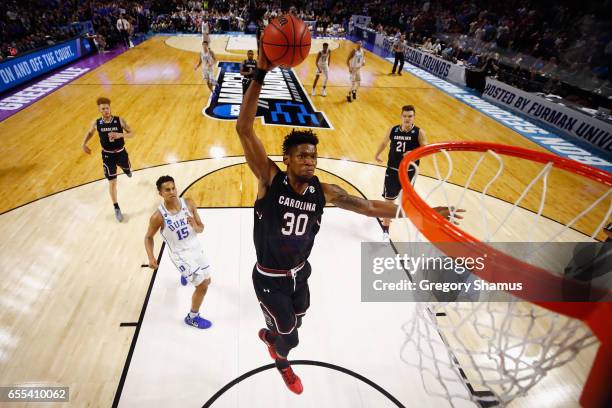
x=541 y=134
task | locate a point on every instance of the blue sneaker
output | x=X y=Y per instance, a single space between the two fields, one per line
x=183 y=280
x=198 y=322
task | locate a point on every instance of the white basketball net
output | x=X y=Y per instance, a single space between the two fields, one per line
x=491 y=352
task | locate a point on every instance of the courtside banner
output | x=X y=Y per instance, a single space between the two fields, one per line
x=592 y=130
x=436 y=65
x=21 y=69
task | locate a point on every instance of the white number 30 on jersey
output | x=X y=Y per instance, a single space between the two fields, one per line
x=293 y=224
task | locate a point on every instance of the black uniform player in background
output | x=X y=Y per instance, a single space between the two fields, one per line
x=112 y=131
x=403 y=138
x=287 y=218
x=247 y=68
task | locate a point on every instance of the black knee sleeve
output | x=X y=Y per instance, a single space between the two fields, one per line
x=285 y=342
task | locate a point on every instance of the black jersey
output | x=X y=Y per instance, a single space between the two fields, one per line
x=246 y=65
x=104 y=128
x=401 y=142
x=286 y=223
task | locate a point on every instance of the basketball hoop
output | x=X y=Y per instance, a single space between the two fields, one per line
x=508 y=366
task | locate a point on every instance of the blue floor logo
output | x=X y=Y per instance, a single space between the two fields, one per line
x=282 y=101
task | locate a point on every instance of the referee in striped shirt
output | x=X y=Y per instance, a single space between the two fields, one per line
x=399 y=48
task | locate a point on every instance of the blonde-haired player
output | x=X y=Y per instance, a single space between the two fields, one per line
x=355 y=61
x=323 y=61
x=207 y=60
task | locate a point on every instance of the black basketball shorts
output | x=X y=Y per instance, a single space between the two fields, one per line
x=392 y=184
x=282 y=300
x=110 y=161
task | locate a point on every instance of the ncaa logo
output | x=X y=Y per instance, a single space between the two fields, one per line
x=282 y=101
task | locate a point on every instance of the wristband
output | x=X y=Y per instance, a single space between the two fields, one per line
x=259 y=75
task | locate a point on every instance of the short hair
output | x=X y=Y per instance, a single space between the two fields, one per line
x=298 y=137
x=102 y=101
x=408 y=108
x=325 y=44
x=204 y=42
x=162 y=180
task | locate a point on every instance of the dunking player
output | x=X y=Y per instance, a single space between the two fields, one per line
x=112 y=131
x=287 y=218
x=323 y=61
x=207 y=60
x=403 y=138
x=247 y=68
x=355 y=61
x=179 y=222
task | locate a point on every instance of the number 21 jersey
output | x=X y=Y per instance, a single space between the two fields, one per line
x=401 y=143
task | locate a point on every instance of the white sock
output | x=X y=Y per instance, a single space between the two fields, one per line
x=192 y=315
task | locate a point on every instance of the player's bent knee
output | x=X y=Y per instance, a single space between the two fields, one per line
x=292 y=339
x=204 y=284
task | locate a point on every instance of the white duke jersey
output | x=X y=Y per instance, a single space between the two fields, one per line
x=176 y=231
x=358 y=59
x=207 y=59
x=324 y=60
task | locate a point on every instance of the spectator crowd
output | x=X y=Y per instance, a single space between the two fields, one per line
x=552 y=46
x=562 y=47
x=26 y=25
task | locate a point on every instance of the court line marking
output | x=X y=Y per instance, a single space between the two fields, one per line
x=341 y=369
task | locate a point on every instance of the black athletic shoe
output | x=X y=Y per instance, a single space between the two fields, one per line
x=348 y=98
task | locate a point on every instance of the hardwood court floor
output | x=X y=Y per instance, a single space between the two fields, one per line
x=71 y=274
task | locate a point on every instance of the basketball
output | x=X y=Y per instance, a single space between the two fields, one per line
x=286 y=41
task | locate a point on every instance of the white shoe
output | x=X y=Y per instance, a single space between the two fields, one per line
x=313 y=93
x=385 y=237
x=324 y=93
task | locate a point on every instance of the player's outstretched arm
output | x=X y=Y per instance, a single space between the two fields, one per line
x=256 y=156
x=372 y=208
x=155 y=223
x=375 y=208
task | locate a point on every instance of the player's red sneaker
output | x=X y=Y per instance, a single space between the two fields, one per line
x=262 y=336
x=293 y=381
